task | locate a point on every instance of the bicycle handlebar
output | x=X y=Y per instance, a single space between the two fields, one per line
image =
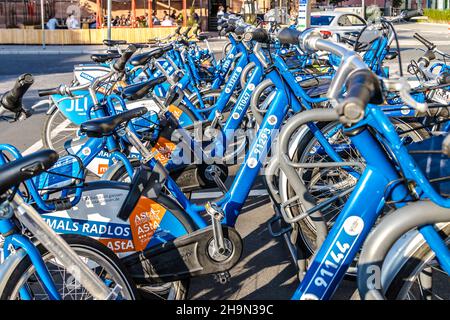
x=12 y=99
x=289 y=36
x=402 y=86
x=259 y=35
x=48 y=92
x=430 y=46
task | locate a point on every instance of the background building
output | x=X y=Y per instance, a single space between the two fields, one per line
x=27 y=13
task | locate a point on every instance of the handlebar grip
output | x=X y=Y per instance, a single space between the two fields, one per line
x=119 y=65
x=222 y=29
x=229 y=29
x=12 y=99
x=48 y=92
x=425 y=42
x=289 y=36
x=259 y=35
x=363 y=87
x=239 y=31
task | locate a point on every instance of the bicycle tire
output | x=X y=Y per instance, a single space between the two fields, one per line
x=78 y=243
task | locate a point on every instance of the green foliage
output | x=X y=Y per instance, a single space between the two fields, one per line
x=435 y=15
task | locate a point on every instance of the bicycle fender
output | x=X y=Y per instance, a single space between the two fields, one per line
x=400 y=252
x=292 y=148
x=245 y=73
x=9 y=265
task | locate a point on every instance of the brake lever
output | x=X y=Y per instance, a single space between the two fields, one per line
x=402 y=86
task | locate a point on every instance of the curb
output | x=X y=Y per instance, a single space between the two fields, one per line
x=433 y=23
x=62 y=52
x=45 y=52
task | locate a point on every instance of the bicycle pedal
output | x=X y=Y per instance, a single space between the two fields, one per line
x=222 y=277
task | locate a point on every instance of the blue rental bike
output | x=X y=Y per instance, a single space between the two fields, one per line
x=38 y=264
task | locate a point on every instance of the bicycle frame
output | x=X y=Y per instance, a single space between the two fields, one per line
x=17 y=241
x=364 y=206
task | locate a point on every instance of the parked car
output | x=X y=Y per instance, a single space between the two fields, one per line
x=338 y=24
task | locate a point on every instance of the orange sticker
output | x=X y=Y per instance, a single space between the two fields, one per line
x=144 y=221
x=119 y=84
x=163 y=149
x=118 y=245
x=102 y=168
x=177 y=112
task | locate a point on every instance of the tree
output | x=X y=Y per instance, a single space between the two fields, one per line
x=397 y=3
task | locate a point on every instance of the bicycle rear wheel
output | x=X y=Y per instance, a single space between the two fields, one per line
x=97 y=256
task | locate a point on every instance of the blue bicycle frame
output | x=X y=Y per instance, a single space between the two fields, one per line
x=365 y=204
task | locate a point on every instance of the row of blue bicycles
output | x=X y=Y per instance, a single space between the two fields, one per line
x=354 y=159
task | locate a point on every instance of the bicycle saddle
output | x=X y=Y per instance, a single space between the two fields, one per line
x=103 y=57
x=111 y=43
x=143 y=58
x=141 y=45
x=314 y=82
x=139 y=90
x=203 y=36
x=102 y=127
x=391 y=55
x=17 y=171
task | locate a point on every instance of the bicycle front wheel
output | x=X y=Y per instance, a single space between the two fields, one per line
x=98 y=257
x=421 y=277
x=57 y=129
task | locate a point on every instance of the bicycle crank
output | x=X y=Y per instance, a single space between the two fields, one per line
x=188 y=256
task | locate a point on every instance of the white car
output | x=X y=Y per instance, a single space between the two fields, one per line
x=337 y=24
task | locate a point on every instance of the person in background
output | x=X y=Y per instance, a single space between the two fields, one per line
x=92 y=22
x=123 y=21
x=220 y=13
x=156 y=21
x=174 y=14
x=52 y=23
x=72 y=22
x=167 y=22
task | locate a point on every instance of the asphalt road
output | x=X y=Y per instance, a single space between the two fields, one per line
x=265 y=271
